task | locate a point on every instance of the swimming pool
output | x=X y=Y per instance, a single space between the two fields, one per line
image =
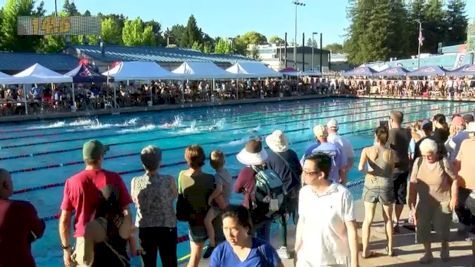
x=41 y=155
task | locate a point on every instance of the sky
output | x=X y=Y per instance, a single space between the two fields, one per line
x=228 y=18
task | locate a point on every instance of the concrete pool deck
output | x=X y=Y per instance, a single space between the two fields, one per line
x=407 y=253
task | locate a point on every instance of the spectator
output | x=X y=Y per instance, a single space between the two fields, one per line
x=19 y=226
x=465 y=167
x=284 y=161
x=219 y=199
x=338 y=167
x=327 y=237
x=154 y=196
x=345 y=145
x=81 y=196
x=457 y=126
x=196 y=187
x=434 y=183
x=441 y=133
x=427 y=129
x=377 y=162
x=253 y=156
x=399 y=139
x=240 y=248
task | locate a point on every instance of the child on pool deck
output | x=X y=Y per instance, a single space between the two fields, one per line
x=219 y=199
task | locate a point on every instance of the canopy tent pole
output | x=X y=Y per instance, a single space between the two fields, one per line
x=26 y=100
x=211 y=97
x=74 y=98
x=151 y=94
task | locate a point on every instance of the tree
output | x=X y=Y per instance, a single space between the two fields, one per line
x=242 y=42
x=312 y=43
x=9 y=39
x=434 y=26
x=276 y=40
x=197 y=46
x=456 y=23
x=176 y=34
x=376 y=30
x=222 y=47
x=110 y=31
x=334 y=47
x=148 y=36
x=87 y=13
x=70 y=8
x=156 y=32
x=51 y=44
x=192 y=33
x=132 y=32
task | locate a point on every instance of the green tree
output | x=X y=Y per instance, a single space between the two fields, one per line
x=70 y=8
x=156 y=32
x=242 y=42
x=356 y=39
x=434 y=26
x=176 y=34
x=192 y=33
x=197 y=46
x=132 y=32
x=274 y=39
x=51 y=44
x=110 y=31
x=148 y=36
x=334 y=47
x=222 y=47
x=9 y=39
x=456 y=23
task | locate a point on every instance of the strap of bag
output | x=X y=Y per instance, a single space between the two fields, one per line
x=287 y=164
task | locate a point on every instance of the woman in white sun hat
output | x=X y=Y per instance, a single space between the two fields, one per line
x=285 y=162
x=253 y=156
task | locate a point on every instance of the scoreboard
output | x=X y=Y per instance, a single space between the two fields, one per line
x=52 y=25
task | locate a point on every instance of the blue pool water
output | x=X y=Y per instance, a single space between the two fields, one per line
x=41 y=155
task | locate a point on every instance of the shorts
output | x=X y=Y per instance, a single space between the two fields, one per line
x=384 y=195
x=197 y=234
x=436 y=214
x=400 y=187
x=470 y=203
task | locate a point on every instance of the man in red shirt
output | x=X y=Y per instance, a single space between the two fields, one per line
x=82 y=196
x=19 y=226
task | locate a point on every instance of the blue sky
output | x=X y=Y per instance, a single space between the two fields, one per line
x=227 y=18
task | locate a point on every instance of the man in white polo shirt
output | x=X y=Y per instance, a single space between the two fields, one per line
x=326 y=230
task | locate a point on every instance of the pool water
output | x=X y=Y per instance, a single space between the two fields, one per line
x=42 y=155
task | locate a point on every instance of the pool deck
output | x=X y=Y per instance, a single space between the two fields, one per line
x=406 y=252
x=60 y=115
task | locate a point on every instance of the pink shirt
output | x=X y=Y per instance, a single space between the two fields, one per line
x=81 y=194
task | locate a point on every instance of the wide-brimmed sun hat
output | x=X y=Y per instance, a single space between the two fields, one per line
x=252 y=154
x=277 y=141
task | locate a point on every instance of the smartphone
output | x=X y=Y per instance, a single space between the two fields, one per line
x=384 y=124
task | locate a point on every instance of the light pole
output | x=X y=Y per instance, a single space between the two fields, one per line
x=313 y=49
x=419 y=42
x=296 y=3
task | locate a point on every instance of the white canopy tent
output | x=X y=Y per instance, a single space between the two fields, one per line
x=202 y=70
x=7 y=79
x=39 y=74
x=250 y=69
x=140 y=71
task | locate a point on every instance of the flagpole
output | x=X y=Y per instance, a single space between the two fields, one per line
x=419 y=41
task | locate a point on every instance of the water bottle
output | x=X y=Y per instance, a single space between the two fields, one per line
x=136 y=261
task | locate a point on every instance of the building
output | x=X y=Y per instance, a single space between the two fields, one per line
x=308 y=58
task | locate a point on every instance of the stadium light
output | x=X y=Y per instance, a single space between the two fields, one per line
x=297 y=3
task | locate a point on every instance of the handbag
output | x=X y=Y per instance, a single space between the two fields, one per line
x=183 y=207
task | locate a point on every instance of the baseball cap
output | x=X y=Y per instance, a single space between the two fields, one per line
x=320 y=131
x=332 y=124
x=94 y=150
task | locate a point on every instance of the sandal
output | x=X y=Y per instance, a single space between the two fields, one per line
x=371 y=254
x=426 y=259
x=390 y=253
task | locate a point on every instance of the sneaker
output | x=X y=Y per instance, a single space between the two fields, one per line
x=208 y=252
x=283 y=253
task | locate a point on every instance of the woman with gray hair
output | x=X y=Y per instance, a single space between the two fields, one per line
x=154 y=195
x=433 y=181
